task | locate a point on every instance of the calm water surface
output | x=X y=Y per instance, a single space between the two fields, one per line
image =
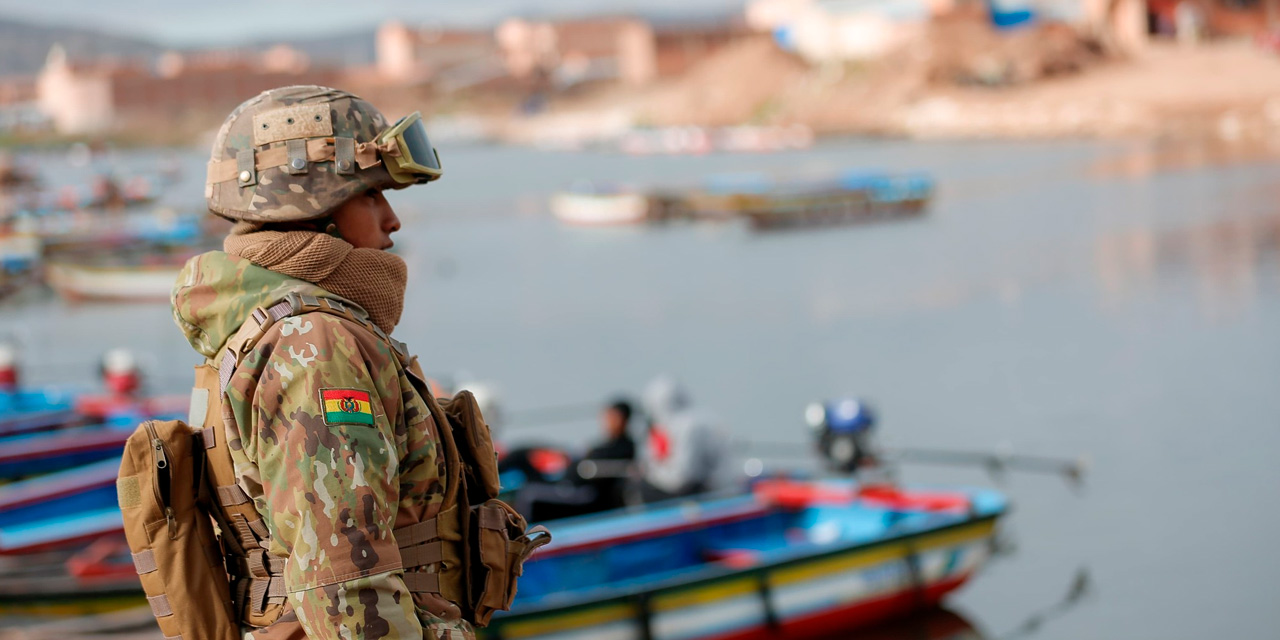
x=1039 y=304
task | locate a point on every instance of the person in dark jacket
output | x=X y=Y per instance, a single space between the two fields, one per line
x=571 y=495
x=617 y=447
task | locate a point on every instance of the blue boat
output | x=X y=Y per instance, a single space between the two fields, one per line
x=29 y=454
x=60 y=509
x=23 y=411
x=788 y=560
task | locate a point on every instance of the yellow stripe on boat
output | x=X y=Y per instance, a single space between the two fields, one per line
x=570 y=621
x=956 y=536
x=897 y=550
x=712 y=593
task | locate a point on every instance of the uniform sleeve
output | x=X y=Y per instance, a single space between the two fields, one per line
x=325 y=451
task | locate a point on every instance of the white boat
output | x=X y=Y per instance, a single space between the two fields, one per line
x=600 y=208
x=81 y=283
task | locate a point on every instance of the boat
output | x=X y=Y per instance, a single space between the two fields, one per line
x=593 y=206
x=57 y=586
x=60 y=510
x=27 y=410
x=78 y=282
x=854 y=197
x=763 y=201
x=788 y=560
x=43 y=452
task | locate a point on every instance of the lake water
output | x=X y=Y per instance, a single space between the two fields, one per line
x=1041 y=303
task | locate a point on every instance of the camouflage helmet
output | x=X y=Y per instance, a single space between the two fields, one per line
x=294 y=154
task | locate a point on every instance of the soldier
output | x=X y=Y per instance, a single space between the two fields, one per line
x=332 y=442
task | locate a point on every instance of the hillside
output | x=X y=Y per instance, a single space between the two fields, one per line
x=24 y=46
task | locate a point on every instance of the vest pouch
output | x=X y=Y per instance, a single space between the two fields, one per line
x=499 y=548
x=475 y=445
x=161 y=490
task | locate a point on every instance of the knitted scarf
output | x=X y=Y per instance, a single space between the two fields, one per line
x=371 y=278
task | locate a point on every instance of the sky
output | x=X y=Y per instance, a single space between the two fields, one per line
x=183 y=24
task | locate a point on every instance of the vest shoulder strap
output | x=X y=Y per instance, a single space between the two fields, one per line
x=263 y=318
x=419 y=542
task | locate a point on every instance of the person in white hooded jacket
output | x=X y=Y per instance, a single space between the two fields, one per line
x=684 y=448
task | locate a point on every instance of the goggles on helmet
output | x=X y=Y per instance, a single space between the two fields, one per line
x=417 y=161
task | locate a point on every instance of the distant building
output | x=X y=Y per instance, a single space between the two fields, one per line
x=835 y=30
x=574 y=51
x=94 y=97
x=18 y=106
x=451 y=59
x=17 y=90
x=680 y=46
x=1121 y=25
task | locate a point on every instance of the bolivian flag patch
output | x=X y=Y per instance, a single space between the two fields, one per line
x=346 y=406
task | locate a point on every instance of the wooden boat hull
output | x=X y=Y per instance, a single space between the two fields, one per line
x=26 y=411
x=606 y=209
x=60 y=510
x=83 y=283
x=807 y=599
x=45 y=452
x=777 y=591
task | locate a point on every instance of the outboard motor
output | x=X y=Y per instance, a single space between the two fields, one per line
x=843 y=428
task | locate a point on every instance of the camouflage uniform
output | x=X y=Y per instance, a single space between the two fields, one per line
x=330 y=490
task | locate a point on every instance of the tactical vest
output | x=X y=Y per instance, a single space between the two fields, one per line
x=463 y=562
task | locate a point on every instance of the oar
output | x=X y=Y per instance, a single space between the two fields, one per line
x=1081 y=587
x=552 y=414
x=996 y=463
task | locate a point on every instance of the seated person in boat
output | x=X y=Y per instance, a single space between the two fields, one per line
x=549 y=495
x=683 y=449
x=618 y=447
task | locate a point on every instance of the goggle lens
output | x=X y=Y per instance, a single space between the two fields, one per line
x=418 y=146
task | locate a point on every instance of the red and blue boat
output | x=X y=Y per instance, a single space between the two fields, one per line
x=28 y=410
x=31 y=454
x=790 y=559
x=59 y=510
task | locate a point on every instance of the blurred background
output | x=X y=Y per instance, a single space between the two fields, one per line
x=1045 y=226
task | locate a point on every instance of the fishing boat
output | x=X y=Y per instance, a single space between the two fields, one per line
x=59 y=586
x=594 y=206
x=854 y=197
x=61 y=509
x=791 y=559
x=763 y=201
x=77 y=282
x=44 y=452
x=27 y=410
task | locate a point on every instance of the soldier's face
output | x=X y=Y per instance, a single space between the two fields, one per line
x=367 y=221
